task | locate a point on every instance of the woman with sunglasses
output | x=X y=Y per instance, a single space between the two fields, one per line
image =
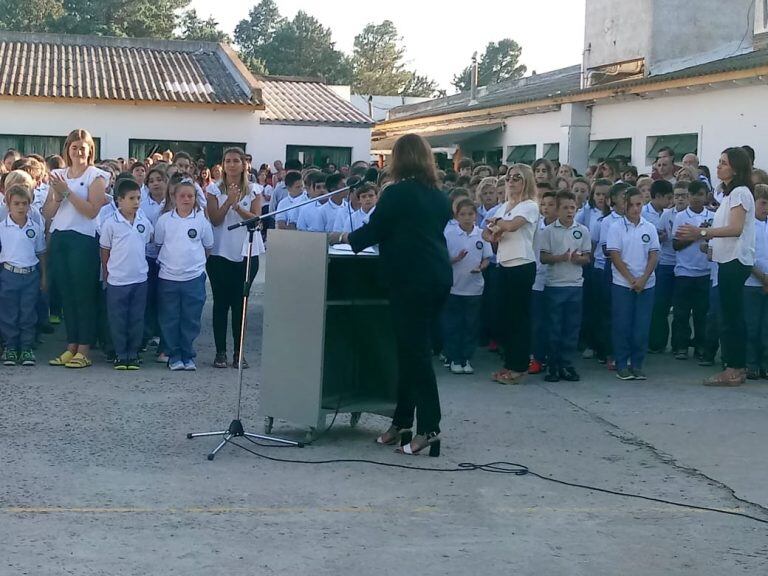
x=513 y=229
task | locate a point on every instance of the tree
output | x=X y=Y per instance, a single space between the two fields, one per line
x=30 y=15
x=299 y=47
x=377 y=61
x=422 y=86
x=133 y=18
x=499 y=62
x=194 y=28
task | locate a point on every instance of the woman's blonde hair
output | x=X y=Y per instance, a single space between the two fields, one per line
x=19 y=178
x=529 y=183
x=412 y=158
x=244 y=183
x=77 y=136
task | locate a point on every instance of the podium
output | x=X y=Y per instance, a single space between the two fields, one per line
x=328 y=343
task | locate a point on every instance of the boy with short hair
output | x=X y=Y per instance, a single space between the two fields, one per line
x=539 y=314
x=465 y=168
x=565 y=246
x=336 y=205
x=296 y=195
x=692 y=277
x=470 y=255
x=756 y=292
x=367 y=196
x=633 y=245
x=22 y=274
x=310 y=216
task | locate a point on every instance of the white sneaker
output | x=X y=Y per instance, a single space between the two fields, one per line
x=444 y=360
x=588 y=354
x=176 y=366
x=456 y=368
x=190 y=366
x=468 y=368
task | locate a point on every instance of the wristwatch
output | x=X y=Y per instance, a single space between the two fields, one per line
x=703 y=233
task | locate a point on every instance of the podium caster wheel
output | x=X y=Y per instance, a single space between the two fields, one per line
x=211 y=457
x=268 y=423
x=189 y=435
x=354 y=419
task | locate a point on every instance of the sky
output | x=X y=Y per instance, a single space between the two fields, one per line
x=440 y=36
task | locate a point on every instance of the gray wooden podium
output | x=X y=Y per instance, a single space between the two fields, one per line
x=328 y=343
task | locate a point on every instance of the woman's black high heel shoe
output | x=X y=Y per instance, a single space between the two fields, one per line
x=394 y=436
x=431 y=440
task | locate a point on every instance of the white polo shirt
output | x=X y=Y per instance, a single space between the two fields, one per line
x=556 y=240
x=311 y=218
x=67 y=217
x=359 y=219
x=600 y=237
x=229 y=243
x=40 y=196
x=466 y=282
x=634 y=243
x=127 y=244
x=516 y=248
x=152 y=211
x=542 y=270
x=183 y=242
x=291 y=216
x=668 y=256
x=20 y=245
x=741 y=248
x=329 y=211
x=761 y=252
x=649 y=213
x=587 y=215
x=691 y=262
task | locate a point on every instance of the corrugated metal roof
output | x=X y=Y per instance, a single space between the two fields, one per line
x=562 y=83
x=306 y=102
x=120 y=69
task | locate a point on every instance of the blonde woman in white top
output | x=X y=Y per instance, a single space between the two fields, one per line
x=732 y=241
x=75 y=199
x=514 y=227
x=230 y=201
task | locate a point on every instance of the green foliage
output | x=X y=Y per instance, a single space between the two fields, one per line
x=499 y=62
x=194 y=28
x=30 y=15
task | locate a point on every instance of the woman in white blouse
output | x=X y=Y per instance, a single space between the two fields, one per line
x=732 y=241
x=514 y=227
x=77 y=195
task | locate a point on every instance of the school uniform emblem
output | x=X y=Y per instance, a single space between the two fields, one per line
x=192 y=233
x=30 y=233
x=577 y=234
x=140 y=228
x=645 y=238
x=479 y=245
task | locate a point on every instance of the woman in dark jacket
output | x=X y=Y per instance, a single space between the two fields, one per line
x=408 y=225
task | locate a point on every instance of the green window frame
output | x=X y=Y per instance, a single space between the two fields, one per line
x=600 y=150
x=36 y=144
x=212 y=152
x=682 y=144
x=319 y=155
x=525 y=154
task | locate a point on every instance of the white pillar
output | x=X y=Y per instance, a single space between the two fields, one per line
x=576 y=124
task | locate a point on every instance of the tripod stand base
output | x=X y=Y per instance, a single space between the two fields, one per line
x=236 y=430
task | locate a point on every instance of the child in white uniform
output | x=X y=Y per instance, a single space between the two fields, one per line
x=185 y=237
x=287 y=220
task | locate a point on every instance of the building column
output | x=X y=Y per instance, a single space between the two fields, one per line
x=576 y=124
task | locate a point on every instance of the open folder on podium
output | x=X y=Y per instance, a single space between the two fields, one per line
x=328 y=341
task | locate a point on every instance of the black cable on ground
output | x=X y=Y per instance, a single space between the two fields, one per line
x=500 y=467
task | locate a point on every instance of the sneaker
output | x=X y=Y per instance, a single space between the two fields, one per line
x=624 y=374
x=54 y=319
x=10 y=358
x=638 y=374
x=220 y=361
x=552 y=375
x=468 y=368
x=176 y=366
x=569 y=374
x=154 y=341
x=133 y=364
x=190 y=366
x=534 y=366
x=681 y=355
x=444 y=360
x=707 y=362
x=162 y=358
x=121 y=364
x=588 y=354
x=27 y=358
x=456 y=368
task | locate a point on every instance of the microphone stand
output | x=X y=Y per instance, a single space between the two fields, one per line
x=236 y=429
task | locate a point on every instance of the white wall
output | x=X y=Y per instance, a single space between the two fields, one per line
x=273 y=138
x=721 y=118
x=116 y=124
x=536 y=129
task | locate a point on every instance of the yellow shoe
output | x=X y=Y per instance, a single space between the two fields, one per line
x=78 y=361
x=62 y=360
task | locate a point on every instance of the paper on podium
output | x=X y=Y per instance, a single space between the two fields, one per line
x=346 y=250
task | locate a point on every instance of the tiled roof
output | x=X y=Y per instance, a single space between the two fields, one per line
x=565 y=82
x=307 y=102
x=122 y=69
x=535 y=87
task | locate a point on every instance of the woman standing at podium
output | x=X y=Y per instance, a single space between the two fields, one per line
x=408 y=226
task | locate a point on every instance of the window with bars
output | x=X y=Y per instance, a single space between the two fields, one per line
x=616 y=149
x=681 y=144
x=319 y=155
x=43 y=145
x=552 y=152
x=525 y=154
x=212 y=152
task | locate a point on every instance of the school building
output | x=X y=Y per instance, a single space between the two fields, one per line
x=138 y=96
x=691 y=76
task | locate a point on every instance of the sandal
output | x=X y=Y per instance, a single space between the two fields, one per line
x=499 y=374
x=419 y=443
x=61 y=360
x=725 y=380
x=395 y=435
x=78 y=361
x=510 y=378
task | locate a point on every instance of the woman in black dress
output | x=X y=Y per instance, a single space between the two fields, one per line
x=408 y=225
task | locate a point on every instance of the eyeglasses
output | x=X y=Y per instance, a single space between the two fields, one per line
x=515 y=178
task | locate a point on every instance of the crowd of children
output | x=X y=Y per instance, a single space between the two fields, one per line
x=546 y=263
